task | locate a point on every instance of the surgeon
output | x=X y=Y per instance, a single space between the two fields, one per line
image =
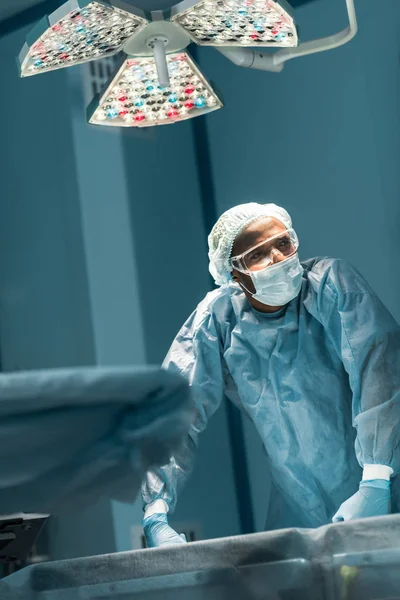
x=312 y=356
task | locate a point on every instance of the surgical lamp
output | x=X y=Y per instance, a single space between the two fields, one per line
x=158 y=82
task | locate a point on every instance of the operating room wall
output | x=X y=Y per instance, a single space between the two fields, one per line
x=322 y=139
x=45 y=312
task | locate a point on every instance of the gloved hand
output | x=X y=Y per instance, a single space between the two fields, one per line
x=371 y=500
x=159 y=533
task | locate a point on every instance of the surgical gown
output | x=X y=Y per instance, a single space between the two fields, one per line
x=320 y=379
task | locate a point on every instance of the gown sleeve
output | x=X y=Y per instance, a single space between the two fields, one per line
x=368 y=340
x=195 y=354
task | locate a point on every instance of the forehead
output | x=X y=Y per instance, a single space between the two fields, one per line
x=256 y=232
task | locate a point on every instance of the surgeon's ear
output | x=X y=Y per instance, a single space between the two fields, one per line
x=234 y=277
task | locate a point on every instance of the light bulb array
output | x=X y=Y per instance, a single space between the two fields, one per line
x=92 y=32
x=135 y=98
x=239 y=22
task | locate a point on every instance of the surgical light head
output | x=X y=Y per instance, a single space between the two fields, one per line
x=158 y=81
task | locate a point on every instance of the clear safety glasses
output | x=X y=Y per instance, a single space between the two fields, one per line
x=281 y=246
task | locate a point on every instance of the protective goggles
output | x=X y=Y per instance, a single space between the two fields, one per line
x=282 y=245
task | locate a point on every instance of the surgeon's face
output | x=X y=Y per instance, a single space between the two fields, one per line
x=253 y=234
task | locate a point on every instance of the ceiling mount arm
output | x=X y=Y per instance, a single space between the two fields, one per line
x=158 y=43
x=253 y=59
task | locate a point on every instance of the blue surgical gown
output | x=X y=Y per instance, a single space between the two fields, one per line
x=320 y=379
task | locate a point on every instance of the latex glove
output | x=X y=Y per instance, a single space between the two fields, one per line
x=371 y=500
x=159 y=533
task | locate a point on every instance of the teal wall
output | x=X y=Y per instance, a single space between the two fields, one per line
x=44 y=305
x=45 y=312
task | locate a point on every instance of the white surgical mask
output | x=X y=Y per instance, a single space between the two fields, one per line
x=278 y=284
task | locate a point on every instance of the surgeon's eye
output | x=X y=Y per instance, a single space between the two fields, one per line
x=285 y=245
x=284 y=242
x=255 y=256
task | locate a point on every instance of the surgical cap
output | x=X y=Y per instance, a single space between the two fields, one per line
x=228 y=227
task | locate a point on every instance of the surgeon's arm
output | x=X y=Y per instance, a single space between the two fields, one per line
x=195 y=354
x=370 y=350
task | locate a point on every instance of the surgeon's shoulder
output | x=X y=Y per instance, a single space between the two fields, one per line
x=212 y=307
x=336 y=274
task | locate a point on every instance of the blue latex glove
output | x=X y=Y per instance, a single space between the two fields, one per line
x=371 y=500
x=159 y=533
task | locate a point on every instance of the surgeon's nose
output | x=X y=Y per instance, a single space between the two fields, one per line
x=276 y=256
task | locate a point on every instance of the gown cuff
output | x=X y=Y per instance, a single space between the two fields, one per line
x=156 y=507
x=377 y=472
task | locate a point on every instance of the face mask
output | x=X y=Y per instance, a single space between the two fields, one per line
x=278 y=284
